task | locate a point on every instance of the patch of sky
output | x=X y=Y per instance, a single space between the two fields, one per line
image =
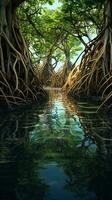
x=55 y=5
x=92 y=36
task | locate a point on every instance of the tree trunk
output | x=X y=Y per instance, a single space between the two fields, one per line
x=94 y=75
x=108 y=38
x=16 y=76
x=47 y=70
x=67 y=64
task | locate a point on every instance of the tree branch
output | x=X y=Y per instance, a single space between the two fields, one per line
x=33 y=25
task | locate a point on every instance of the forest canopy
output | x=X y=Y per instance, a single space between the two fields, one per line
x=50 y=30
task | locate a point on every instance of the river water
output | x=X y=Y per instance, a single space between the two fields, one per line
x=59 y=151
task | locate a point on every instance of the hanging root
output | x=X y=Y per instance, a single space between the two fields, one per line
x=94 y=75
x=59 y=78
x=18 y=82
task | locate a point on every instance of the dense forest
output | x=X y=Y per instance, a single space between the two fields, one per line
x=68 y=46
x=56 y=99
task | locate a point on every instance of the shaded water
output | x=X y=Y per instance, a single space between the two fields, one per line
x=62 y=151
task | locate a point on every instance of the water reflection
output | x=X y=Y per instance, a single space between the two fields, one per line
x=58 y=152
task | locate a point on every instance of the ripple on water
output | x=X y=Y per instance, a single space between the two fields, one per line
x=61 y=151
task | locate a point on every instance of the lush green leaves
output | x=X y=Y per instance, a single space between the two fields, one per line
x=50 y=32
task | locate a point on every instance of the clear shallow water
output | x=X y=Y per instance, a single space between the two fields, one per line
x=61 y=151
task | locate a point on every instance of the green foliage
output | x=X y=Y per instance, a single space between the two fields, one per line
x=50 y=32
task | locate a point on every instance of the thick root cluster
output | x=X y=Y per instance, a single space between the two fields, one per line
x=59 y=78
x=18 y=82
x=44 y=72
x=94 y=75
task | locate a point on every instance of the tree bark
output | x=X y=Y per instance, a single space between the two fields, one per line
x=16 y=75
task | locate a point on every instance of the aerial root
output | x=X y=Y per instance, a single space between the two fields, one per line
x=93 y=77
x=16 y=85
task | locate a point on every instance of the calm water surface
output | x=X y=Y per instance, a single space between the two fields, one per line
x=61 y=151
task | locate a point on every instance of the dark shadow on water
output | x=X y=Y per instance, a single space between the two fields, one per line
x=62 y=151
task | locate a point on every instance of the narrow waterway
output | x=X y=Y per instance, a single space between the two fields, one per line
x=59 y=151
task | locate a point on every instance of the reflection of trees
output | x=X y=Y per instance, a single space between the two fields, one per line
x=96 y=126
x=16 y=125
x=100 y=128
x=15 y=129
x=90 y=177
x=20 y=176
x=91 y=172
x=18 y=170
x=30 y=185
x=31 y=138
x=14 y=132
x=58 y=120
